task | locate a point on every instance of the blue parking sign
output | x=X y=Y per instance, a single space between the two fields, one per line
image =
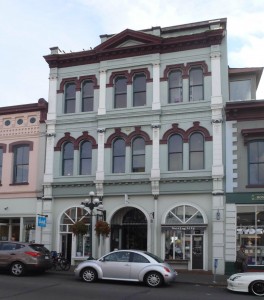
x=41 y=221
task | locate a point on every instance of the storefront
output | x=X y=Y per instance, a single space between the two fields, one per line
x=249 y=225
x=184 y=232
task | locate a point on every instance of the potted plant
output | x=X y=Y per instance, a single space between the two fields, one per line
x=79 y=228
x=103 y=228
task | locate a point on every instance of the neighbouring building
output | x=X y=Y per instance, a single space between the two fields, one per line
x=245 y=168
x=138 y=120
x=22 y=161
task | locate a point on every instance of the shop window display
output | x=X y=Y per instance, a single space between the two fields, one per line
x=250 y=232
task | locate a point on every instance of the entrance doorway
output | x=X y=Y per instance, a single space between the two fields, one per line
x=197 y=252
x=131 y=231
x=66 y=245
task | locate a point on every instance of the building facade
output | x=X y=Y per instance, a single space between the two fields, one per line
x=138 y=120
x=22 y=156
x=244 y=169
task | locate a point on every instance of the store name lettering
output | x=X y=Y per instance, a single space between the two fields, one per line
x=183 y=228
x=258 y=197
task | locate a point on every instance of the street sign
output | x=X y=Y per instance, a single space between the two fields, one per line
x=41 y=221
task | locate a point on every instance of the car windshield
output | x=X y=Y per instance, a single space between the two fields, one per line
x=40 y=248
x=158 y=259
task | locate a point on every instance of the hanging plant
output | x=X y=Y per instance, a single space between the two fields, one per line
x=79 y=228
x=103 y=228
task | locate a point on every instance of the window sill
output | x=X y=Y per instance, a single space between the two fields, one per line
x=22 y=183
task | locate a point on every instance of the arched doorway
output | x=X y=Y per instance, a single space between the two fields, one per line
x=184 y=235
x=129 y=229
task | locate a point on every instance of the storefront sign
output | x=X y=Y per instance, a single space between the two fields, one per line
x=257 y=197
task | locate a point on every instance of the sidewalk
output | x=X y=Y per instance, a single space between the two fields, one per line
x=184 y=276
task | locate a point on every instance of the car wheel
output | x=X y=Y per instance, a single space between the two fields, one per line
x=17 y=269
x=257 y=288
x=153 y=279
x=89 y=275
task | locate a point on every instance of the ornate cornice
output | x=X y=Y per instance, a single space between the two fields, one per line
x=150 y=46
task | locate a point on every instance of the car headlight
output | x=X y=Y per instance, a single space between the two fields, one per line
x=235 y=277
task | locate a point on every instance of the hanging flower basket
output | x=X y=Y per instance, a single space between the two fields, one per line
x=103 y=228
x=79 y=228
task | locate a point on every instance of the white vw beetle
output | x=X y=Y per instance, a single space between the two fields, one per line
x=248 y=282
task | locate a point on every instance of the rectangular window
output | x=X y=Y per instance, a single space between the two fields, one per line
x=70 y=92
x=21 y=164
x=120 y=92
x=250 y=229
x=256 y=162
x=196 y=84
x=139 y=90
x=240 y=90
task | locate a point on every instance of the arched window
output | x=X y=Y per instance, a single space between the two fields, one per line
x=119 y=156
x=86 y=158
x=175 y=153
x=139 y=90
x=70 y=96
x=175 y=86
x=256 y=162
x=67 y=159
x=87 y=96
x=138 y=155
x=120 y=92
x=21 y=164
x=196 y=146
x=184 y=214
x=196 y=84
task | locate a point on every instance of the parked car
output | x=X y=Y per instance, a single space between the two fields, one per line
x=248 y=282
x=127 y=265
x=18 y=257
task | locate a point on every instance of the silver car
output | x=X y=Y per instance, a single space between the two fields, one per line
x=18 y=257
x=127 y=265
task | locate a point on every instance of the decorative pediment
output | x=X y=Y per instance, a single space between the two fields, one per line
x=128 y=38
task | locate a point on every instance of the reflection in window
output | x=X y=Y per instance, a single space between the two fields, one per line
x=67 y=159
x=196 y=147
x=139 y=90
x=240 y=90
x=250 y=232
x=175 y=87
x=119 y=156
x=70 y=94
x=86 y=158
x=175 y=153
x=21 y=164
x=120 y=92
x=196 y=84
x=87 y=96
x=138 y=155
x=256 y=162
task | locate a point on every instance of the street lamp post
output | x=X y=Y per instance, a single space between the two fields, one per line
x=91 y=203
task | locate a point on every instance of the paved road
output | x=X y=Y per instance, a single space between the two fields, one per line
x=58 y=286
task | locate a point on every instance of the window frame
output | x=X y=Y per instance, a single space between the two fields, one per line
x=176 y=88
x=119 y=91
x=138 y=155
x=192 y=152
x=194 y=86
x=258 y=163
x=68 y=98
x=1 y=163
x=139 y=89
x=89 y=98
x=170 y=153
x=84 y=158
x=119 y=156
x=23 y=164
x=64 y=160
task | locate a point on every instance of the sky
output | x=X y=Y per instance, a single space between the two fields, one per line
x=28 y=28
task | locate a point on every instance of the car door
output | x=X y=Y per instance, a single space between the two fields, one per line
x=7 y=253
x=116 y=265
x=138 y=263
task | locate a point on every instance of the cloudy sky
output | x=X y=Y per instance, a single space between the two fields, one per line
x=28 y=28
